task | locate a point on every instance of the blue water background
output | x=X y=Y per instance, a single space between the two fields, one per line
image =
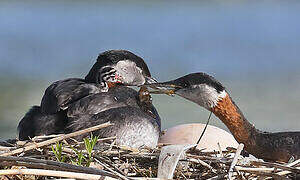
x=252 y=47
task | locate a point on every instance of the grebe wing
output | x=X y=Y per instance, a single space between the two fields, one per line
x=35 y=123
x=60 y=94
x=116 y=97
x=94 y=104
x=119 y=96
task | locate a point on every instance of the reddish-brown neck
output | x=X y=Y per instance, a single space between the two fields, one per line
x=269 y=146
x=232 y=117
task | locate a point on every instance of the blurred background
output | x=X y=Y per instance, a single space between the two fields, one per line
x=252 y=47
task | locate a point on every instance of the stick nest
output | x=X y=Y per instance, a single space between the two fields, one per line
x=110 y=161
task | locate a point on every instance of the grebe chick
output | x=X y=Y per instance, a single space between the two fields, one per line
x=112 y=67
x=207 y=92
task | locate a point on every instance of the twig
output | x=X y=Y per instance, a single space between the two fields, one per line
x=3 y=148
x=261 y=171
x=54 y=140
x=58 y=164
x=220 y=150
x=254 y=170
x=102 y=139
x=293 y=163
x=227 y=161
x=282 y=173
x=203 y=164
x=109 y=169
x=34 y=166
x=41 y=172
x=218 y=177
x=132 y=155
x=294 y=170
x=289 y=165
x=235 y=160
x=39 y=138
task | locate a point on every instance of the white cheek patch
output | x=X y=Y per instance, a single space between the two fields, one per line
x=129 y=73
x=204 y=95
x=222 y=95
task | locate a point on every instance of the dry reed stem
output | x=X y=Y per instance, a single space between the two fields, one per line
x=267 y=172
x=254 y=170
x=2 y=148
x=293 y=163
x=220 y=150
x=235 y=160
x=41 y=172
x=289 y=165
x=59 y=165
x=203 y=164
x=109 y=169
x=294 y=170
x=282 y=173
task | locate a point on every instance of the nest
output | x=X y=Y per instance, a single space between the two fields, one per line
x=60 y=156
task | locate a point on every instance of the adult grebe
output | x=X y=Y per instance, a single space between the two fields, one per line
x=211 y=94
x=112 y=67
x=74 y=103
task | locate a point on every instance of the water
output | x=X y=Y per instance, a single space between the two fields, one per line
x=252 y=47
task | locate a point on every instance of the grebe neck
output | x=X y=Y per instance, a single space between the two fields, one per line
x=279 y=146
x=229 y=113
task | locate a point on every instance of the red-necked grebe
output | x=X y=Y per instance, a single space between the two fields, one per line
x=207 y=92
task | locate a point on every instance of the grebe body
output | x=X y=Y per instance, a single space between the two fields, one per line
x=77 y=102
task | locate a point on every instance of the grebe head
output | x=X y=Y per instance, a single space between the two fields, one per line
x=200 y=88
x=119 y=67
